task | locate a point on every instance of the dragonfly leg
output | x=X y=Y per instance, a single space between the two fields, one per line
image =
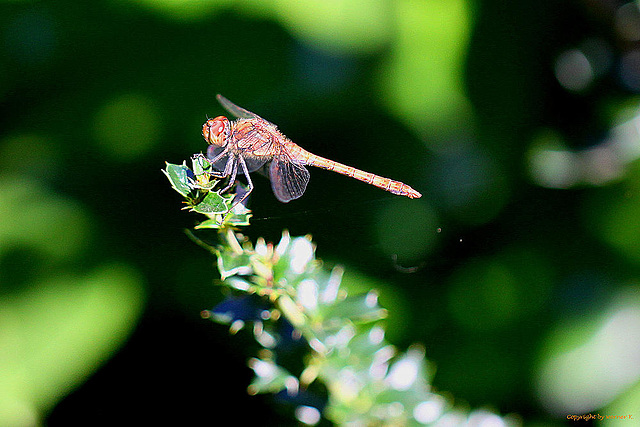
x=227 y=168
x=230 y=170
x=218 y=157
x=245 y=171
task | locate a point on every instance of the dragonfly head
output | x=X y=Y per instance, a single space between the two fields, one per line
x=216 y=131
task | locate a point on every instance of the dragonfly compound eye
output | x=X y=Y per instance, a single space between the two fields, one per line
x=215 y=130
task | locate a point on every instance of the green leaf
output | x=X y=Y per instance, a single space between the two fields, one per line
x=201 y=165
x=213 y=203
x=179 y=177
x=367 y=381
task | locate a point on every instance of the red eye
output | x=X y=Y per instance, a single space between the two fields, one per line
x=214 y=128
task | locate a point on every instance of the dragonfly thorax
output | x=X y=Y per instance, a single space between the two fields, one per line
x=216 y=131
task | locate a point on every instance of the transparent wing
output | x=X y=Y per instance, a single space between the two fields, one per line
x=288 y=179
x=237 y=111
x=212 y=153
x=254 y=164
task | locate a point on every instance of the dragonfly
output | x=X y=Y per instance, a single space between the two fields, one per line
x=250 y=143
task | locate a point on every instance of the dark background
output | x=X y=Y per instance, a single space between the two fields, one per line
x=503 y=114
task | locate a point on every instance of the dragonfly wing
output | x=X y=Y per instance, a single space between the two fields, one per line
x=288 y=179
x=237 y=111
x=212 y=153
x=254 y=164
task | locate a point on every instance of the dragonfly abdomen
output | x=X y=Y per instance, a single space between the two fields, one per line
x=394 y=187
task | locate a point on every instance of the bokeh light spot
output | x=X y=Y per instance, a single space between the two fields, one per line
x=554 y=168
x=613 y=216
x=599 y=53
x=61 y=329
x=405 y=371
x=17 y=412
x=630 y=70
x=485 y=419
x=583 y=369
x=553 y=165
x=573 y=70
x=422 y=81
x=55 y=226
x=347 y=26
x=576 y=69
x=430 y=410
x=308 y=415
x=625 y=135
x=627 y=21
x=550 y=164
x=630 y=398
x=127 y=127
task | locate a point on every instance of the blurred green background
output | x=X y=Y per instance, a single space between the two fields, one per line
x=519 y=268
